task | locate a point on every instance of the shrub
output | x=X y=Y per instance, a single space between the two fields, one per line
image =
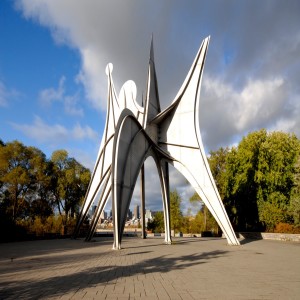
x=286 y=228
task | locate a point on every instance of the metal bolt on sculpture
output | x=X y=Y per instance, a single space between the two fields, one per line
x=132 y=133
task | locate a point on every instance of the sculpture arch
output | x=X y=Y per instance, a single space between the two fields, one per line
x=132 y=133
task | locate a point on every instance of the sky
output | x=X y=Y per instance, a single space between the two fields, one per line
x=53 y=54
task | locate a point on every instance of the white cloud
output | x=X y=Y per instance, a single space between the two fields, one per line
x=227 y=112
x=91 y=76
x=103 y=32
x=70 y=104
x=86 y=132
x=259 y=102
x=285 y=125
x=50 y=95
x=54 y=134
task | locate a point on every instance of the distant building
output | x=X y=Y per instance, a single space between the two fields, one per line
x=148 y=214
x=136 y=212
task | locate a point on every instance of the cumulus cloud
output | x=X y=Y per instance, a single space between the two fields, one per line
x=103 y=32
x=55 y=134
x=228 y=112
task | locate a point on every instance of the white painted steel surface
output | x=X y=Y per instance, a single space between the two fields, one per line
x=132 y=133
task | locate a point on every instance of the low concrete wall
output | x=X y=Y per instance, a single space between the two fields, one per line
x=176 y=235
x=269 y=236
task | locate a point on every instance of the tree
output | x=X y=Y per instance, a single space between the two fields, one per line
x=41 y=173
x=294 y=208
x=157 y=224
x=204 y=220
x=24 y=183
x=71 y=182
x=175 y=212
x=217 y=161
x=240 y=198
x=32 y=186
x=198 y=224
x=275 y=177
x=259 y=180
x=15 y=179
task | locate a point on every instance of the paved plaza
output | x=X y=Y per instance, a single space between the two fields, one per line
x=191 y=268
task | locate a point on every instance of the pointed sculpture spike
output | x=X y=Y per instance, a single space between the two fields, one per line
x=152 y=104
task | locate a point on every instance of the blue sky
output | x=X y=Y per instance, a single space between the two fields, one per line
x=53 y=55
x=42 y=103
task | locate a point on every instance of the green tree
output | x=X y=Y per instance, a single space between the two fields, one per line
x=41 y=173
x=15 y=179
x=275 y=177
x=241 y=189
x=294 y=208
x=217 y=161
x=259 y=179
x=204 y=221
x=71 y=182
x=32 y=186
x=175 y=212
x=157 y=223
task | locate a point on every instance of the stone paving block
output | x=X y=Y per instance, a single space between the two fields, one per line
x=116 y=296
x=80 y=294
x=129 y=288
x=185 y=296
x=119 y=288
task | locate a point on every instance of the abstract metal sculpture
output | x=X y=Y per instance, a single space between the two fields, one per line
x=132 y=133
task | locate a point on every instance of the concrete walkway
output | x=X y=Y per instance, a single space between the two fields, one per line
x=191 y=268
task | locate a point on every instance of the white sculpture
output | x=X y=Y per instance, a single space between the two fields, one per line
x=132 y=133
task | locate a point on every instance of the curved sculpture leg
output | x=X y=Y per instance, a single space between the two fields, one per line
x=101 y=204
x=180 y=137
x=142 y=174
x=131 y=146
x=104 y=158
x=94 y=188
x=163 y=171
